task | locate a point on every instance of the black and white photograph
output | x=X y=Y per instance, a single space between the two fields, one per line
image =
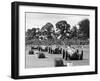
x=51 y=40
x=56 y=40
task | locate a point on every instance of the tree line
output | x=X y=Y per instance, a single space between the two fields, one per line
x=63 y=31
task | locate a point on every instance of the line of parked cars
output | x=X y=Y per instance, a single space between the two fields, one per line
x=68 y=52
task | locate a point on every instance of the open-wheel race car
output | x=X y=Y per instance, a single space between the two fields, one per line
x=71 y=53
x=54 y=50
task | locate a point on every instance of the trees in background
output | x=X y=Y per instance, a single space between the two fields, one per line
x=32 y=33
x=82 y=32
x=74 y=33
x=63 y=31
x=47 y=30
x=63 y=28
x=84 y=27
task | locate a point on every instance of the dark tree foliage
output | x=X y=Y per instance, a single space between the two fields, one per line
x=64 y=28
x=47 y=30
x=74 y=32
x=32 y=33
x=62 y=33
x=84 y=27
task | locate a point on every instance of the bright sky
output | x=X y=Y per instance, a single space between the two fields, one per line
x=38 y=20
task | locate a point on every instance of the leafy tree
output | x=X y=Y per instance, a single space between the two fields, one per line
x=63 y=28
x=47 y=30
x=31 y=33
x=74 y=32
x=84 y=27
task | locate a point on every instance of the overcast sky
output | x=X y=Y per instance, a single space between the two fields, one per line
x=38 y=20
